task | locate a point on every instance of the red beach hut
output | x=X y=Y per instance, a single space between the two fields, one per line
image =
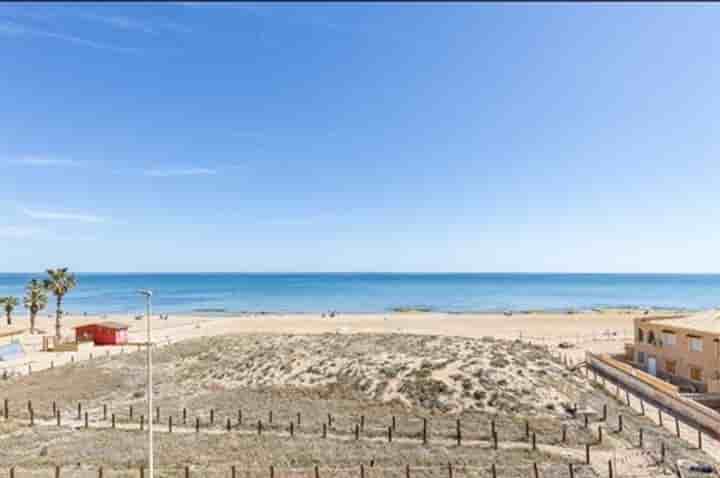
x=103 y=333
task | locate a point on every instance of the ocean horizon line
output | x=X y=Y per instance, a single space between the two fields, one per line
x=553 y=273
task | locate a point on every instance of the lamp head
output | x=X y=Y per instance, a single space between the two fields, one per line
x=145 y=292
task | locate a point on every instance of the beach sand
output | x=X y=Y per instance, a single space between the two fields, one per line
x=597 y=331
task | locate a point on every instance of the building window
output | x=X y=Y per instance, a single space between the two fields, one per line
x=696 y=374
x=641 y=357
x=668 y=339
x=641 y=335
x=671 y=366
x=696 y=344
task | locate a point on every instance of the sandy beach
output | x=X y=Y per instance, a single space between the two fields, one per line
x=376 y=368
x=598 y=331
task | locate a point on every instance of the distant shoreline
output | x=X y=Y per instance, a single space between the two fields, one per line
x=420 y=311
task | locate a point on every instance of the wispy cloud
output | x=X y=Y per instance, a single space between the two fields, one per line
x=44 y=161
x=14 y=29
x=25 y=233
x=62 y=216
x=180 y=172
x=119 y=21
x=123 y=22
x=19 y=232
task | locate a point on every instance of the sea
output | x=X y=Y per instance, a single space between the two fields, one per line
x=229 y=293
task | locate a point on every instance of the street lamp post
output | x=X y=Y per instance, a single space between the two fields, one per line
x=148 y=295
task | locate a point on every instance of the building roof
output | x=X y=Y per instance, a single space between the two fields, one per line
x=107 y=325
x=708 y=321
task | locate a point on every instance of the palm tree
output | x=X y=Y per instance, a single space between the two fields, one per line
x=36 y=299
x=60 y=283
x=9 y=303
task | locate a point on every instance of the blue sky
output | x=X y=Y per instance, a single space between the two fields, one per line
x=360 y=137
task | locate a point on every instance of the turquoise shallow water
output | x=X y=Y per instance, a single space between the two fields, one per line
x=381 y=292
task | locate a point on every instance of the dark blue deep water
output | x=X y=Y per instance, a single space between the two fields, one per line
x=114 y=293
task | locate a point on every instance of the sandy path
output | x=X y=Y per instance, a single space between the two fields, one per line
x=631 y=462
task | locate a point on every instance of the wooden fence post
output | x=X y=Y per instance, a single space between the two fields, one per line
x=142 y=422
x=58 y=417
x=57 y=471
x=640 y=432
x=564 y=433
x=604 y=415
x=536 y=474
x=6 y=408
x=534 y=445
x=587 y=453
x=699 y=435
x=54 y=408
x=317 y=471
x=527 y=429
x=239 y=417
x=362 y=423
x=394 y=423
x=32 y=417
x=259 y=427
x=270 y=420
x=450 y=470
x=389 y=434
x=662 y=452
x=493 y=470
x=600 y=434
x=228 y=424
x=495 y=440
x=142 y=468
x=104 y=411
x=571 y=470
x=157 y=415
x=362 y=470
x=86 y=419
x=357 y=431
x=620 y=423
x=170 y=424
x=100 y=472
x=197 y=424
x=642 y=407
x=330 y=420
x=459 y=432
x=184 y=416
x=627 y=397
x=298 y=419
x=677 y=427
x=212 y=416
x=610 y=469
x=131 y=412
x=660 y=417
x=272 y=471
x=407 y=471
x=324 y=430
x=79 y=411
x=233 y=472
x=113 y=420
x=424 y=431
